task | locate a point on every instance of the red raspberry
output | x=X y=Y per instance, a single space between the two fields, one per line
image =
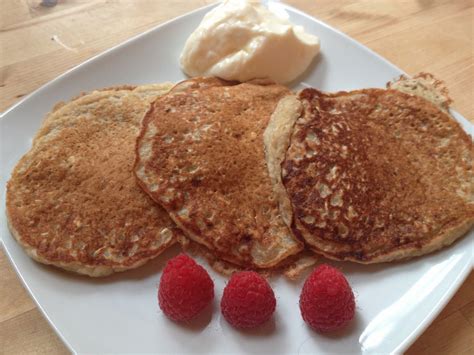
x=326 y=301
x=185 y=289
x=248 y=300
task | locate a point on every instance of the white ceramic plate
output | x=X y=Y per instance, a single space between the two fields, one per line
x=395 y=302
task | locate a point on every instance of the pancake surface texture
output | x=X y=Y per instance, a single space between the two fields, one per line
x=73 y=201
x=376 y=175
x=201 y=156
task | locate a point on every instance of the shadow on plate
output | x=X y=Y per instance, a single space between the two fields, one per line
x=298 y=82
x=265 y=330
x=327 y=342
x=346 y=331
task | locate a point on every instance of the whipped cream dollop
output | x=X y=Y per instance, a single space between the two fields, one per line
x=240 y=40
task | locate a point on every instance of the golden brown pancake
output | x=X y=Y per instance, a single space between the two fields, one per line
x=73 y=201
x=200 y=155
x=373 y=175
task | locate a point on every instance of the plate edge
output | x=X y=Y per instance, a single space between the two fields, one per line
x=456 y=285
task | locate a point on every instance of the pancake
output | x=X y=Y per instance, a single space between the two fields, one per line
x=200 y=155
x=424 y=85
x=73 y=201
x=373 y=175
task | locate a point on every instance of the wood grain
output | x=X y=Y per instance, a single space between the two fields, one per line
x=39 y=43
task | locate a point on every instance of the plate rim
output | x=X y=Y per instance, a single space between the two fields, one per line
x=402 y=346
x=441 y=304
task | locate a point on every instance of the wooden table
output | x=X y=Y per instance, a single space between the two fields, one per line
x=38 y=43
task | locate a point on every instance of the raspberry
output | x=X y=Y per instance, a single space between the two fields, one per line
x=248 y=300
x=326 y=301
x=185 y=289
